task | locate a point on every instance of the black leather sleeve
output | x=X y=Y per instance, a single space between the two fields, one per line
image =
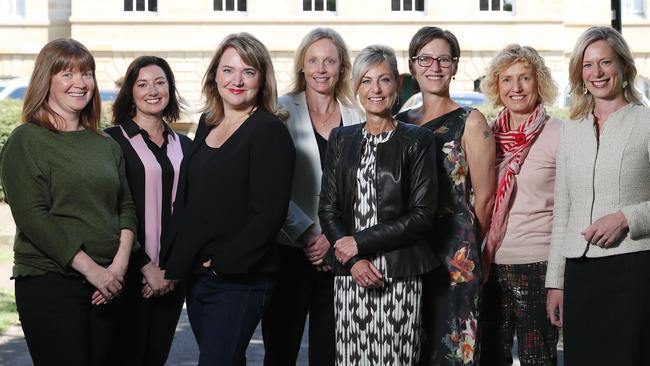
x=329 y=207
x=404 y=230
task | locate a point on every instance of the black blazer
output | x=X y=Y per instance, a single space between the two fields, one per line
x=236 y=224
x=407 y=189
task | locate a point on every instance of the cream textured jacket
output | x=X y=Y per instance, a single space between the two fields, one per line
x=595 y=178
x=305 y=189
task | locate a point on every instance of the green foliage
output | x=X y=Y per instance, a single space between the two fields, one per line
x=8 y=313
x=9 y=119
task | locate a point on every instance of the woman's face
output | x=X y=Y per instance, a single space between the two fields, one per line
x=378 y=89
x=322 y=67
x=517 y=86
x=237 y=82
x=70 y=92
x=151 y=91
x=435 y=79
x=601 y=71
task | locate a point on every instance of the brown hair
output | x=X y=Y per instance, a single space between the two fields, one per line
x=123 y=105
x=253 y=53
x=60 y=54
x=427 y=34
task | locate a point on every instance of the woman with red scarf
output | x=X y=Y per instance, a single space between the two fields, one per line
x=516 y=252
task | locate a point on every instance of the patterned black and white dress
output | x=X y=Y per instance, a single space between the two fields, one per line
x=378 y=326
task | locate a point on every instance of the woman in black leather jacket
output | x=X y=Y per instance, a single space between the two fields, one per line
x=378 y=199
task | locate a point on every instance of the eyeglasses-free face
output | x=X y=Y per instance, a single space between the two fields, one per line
x=426 y=61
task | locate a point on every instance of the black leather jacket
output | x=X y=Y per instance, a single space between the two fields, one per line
x=407 y=189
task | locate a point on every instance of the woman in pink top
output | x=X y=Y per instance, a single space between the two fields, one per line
x=516 y=252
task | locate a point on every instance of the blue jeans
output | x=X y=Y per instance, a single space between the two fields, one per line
x=223 y=314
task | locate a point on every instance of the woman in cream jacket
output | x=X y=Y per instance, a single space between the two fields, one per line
x=599 y=265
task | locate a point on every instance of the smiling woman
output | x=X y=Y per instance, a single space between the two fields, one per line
x=66 y=186
x=377 y=221
x=145 y=106
x=233 y=197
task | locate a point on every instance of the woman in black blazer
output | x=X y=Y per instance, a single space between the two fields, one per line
x=233 y=198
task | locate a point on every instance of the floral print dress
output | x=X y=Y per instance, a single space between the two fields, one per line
x=453 y=299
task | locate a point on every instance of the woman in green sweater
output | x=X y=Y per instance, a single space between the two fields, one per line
x=65 y=183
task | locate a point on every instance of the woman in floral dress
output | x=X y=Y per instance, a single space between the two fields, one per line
x=466 y=195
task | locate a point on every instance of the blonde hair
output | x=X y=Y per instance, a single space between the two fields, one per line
x=60 y=54
x=369 y=57
x=510 y=55
x=581 y=103
x=342 y=91
x=253 y=53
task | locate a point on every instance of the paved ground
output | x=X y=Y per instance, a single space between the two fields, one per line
x=13 y=350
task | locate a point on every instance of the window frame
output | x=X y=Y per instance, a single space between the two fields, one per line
x=17 y=7
x=223 y=11
x=641 y=13
x=500 y=10
x=318 y=12
x=141 y=12
x=413 y=7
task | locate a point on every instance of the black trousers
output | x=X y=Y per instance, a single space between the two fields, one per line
x=607 y=310
x=61 y=325
x=146 y=326
x=300 y=289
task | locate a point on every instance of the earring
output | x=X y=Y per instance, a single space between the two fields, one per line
x=584 y=89
x=453 y=78
x=624 y=85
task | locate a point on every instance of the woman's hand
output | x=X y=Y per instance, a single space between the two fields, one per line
x=555 y=306
x=107 y=283
x=607 y=230
x=156 y=284
x=345 y=248
x=365 y=274
x=316 y=249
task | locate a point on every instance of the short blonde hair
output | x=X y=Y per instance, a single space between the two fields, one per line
x=253 y=53
x=342 y=91
x=369 y=57
x=581 y=103
x=510 y=55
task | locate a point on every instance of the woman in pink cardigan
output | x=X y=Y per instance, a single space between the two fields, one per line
x=517 y=247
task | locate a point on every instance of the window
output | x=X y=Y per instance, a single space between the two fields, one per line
x=12 y=8
x=633 y=7
x=407 y=5
x=141 y=5
x=229 y=5
x=496 y=5
x=318 y=5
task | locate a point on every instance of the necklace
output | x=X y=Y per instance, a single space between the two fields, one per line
x=323 y=122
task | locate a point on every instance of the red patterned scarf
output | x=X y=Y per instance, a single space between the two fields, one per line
x=512 y=149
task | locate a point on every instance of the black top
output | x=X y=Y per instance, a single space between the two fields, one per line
x=232 y=200
x=322 y=144
x=135 y=174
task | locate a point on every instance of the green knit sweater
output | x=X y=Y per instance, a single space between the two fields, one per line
x=67 y=192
